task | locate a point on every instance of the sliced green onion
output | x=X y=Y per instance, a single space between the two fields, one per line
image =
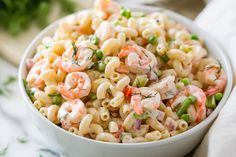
x=125 y=12
x=94 y=39
x=99 y=54
x=140 y=81
x=186 y=81
x=211 y=102
x=164 y=58
x=194 y=37
x=101 y=66
x=218 y=96
x=192 y=98
x=185 y=117
x=152 y=40
x=187 y=102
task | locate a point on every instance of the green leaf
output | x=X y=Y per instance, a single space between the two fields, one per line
x=48 y=151
x=22 y=140
x=9 y=80
x=3 y=151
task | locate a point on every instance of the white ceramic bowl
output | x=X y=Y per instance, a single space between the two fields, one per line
x=178 y=145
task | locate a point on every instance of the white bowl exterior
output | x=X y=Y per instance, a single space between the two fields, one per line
x=178 y=145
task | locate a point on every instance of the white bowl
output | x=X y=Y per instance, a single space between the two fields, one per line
x=178 y=145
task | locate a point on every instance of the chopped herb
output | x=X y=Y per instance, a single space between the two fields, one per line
x=29 y=92
x=194 y=37
x=149 y=96
x=139 y=62
x=22 y=140
x=145 y=115
x=150 y=68
x=75 y=62
x=165 y=58
x=3 y=151
x=93 y=66
x=40 y=155
x=75 y=49
x=48 y=151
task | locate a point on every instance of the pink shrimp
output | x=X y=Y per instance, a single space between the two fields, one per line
x=107 y=7
x=199 y=105
x=71 y=113
x=145 y=98
x=139 y=60
x=216 y=78
x=33 y=77
x=77 y=85
x=136 y=104
x=75 y=59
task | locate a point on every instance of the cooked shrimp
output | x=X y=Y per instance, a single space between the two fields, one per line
x=200 y=103
x=152 y=98
x=136 y=104
x=75 y=59
x=33 y=77
x=107 y=7
x=139 y=60
x=166 y=87
x=145 y=98
x=71 y=113
x=77 y=85
x=214 y=76
x=105 y=31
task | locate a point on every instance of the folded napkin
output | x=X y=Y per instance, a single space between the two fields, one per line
x=219 y=19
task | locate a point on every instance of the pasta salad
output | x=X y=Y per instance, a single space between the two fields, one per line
x=115 y=75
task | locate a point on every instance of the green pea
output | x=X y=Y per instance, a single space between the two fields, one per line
x=185 y=117
x=164 y=58
x=194 y=37
x=99 y=54
x=152 y=40
x=185 y=81
x=218 y=96
x=101 y=66
x=94 y=39
x=211 y=102
x=187 y=102
x=125 y=12
x=192 y=98
x=57 y=99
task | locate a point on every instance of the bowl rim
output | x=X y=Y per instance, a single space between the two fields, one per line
x=176 y=17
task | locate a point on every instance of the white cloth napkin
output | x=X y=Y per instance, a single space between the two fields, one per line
x=219 y=19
